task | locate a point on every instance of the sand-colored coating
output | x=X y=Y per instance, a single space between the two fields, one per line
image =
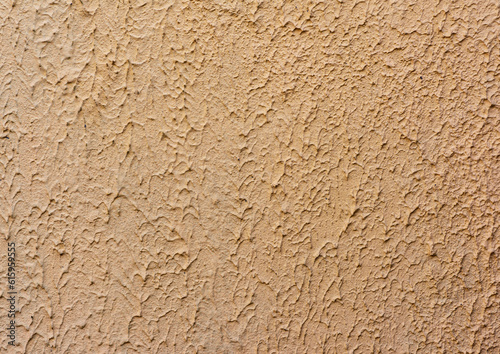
x=238 y=176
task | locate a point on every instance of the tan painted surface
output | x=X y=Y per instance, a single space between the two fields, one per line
x=251 y=176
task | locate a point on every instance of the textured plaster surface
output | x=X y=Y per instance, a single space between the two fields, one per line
x=227 y=176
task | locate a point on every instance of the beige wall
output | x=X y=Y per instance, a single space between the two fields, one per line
x=251 y=176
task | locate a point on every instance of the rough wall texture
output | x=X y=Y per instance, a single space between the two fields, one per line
x=251 y=176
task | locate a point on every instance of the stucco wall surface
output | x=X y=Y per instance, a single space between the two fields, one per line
x=229 y=176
